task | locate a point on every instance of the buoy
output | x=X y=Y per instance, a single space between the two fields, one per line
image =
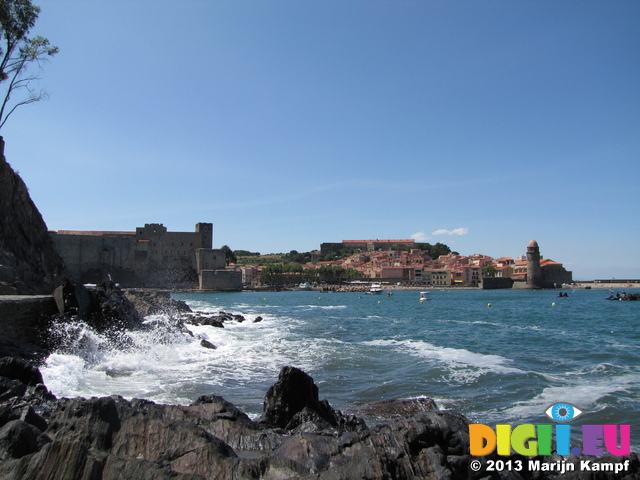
x=489 y=305
x=265 y=298
x=421 y=301
x=379 y=301
x=553 y=304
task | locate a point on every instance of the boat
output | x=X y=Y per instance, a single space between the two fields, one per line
x=376 y=289
x=425 y=296
x=306 y=286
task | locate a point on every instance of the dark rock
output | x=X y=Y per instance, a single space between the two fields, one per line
x=207 y=344
x=55 y=460
x=386 y=409
x=73 y=298
x=7 y=414
x=212 y=320
x=21 y=370
x=113 y=309
x=111 y=314
x=24 y=347
x=30 y=416
x=152 y=302
x=257 y=319
x=17 y=439
x=29 y=260
x=111 y=438
x=11 y=388
x=294 y=392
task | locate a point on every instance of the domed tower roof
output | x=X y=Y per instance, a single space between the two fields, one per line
x=533 y=244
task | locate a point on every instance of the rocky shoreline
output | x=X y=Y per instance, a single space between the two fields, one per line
x=298 y=436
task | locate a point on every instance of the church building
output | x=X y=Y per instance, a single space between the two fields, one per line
x=537 y=272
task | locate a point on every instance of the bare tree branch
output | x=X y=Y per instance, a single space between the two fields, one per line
x=16 y=19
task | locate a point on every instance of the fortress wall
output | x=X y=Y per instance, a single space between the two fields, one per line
x=21 y=316
x=220 y=280
x=150 y=256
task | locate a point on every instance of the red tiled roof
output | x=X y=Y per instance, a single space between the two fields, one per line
x=379 y=241
x=91 y=233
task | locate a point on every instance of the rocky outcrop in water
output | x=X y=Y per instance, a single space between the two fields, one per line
x=29 y=260
x=111 y=438
x=152 y=302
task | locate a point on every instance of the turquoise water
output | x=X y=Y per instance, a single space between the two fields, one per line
x=501 y=364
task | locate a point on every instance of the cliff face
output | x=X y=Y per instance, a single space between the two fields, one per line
x=29 y=261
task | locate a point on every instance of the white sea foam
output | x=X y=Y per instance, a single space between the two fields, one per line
x=585 y=392
x=323 y=307
x=463 y=365
x=168 y=366
x=139 y=363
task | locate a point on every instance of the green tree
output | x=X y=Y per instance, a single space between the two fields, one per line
x=17 y=53
x=230 y=257
x=246 y=253
x=489 y=271
x=434 y=250
x=439 y=249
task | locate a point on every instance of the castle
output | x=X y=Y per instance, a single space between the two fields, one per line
x=150 y=257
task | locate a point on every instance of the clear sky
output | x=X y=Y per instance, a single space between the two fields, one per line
x=287 y=124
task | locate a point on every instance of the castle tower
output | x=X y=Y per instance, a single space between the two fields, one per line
x=534 y=277
x=206 y=230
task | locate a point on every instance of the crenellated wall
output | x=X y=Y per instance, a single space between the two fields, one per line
x=149 y=257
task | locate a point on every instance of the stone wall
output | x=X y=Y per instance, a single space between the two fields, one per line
x=210 y=259
x=149 y=257
x=555 y=275
x=493 y=283
x=29 y=260
x=22 y=316
x=220 y=280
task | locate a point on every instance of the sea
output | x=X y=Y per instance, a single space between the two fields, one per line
x=496 y=356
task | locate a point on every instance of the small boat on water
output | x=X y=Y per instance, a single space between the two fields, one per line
x=624 y=296
x=376 y=289
x=425 y=296
x=306 y=286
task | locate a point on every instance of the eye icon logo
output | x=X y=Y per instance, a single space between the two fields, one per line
x=563 y=412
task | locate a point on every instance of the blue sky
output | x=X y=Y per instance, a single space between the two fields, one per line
x=287 y=124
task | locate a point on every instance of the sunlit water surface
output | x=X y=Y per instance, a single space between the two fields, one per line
x=501 y=363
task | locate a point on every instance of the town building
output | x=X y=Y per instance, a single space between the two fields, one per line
x=365 y=245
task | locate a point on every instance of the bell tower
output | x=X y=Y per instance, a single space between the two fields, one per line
x=534 y=274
